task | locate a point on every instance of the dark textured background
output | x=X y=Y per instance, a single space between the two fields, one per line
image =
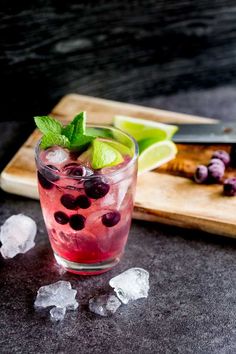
x=123 y=50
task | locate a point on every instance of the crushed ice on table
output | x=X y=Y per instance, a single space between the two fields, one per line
x=57 y=313
x=132 y=284
x=56 y=155
x=104 y=305
x=60 y=295
x=17 y=235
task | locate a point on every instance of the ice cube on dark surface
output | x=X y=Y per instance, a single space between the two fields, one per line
x=17 y=235
x=132 y=284
x=104 y=305
x=60 y=295
x=57 y=313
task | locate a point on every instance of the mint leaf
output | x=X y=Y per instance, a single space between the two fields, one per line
x=81 y=141
x=68 y=131
x=51 y=139
x=79 y=127
x=48 y=124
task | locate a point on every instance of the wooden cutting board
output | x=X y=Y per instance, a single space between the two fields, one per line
x=168 y=196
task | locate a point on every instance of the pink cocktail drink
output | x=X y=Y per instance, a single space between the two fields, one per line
x=87 y=212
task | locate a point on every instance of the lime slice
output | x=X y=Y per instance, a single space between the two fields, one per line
x=155 y=154
x=124 y=150
x=142 y=128
x=104 y=155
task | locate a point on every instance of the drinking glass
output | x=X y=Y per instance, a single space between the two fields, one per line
x=87 y=213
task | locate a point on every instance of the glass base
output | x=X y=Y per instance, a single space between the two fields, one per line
x=86 y=268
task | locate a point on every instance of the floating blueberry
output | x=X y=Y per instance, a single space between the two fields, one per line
x=111 y=219
x=96 y=188
x=44 y=182
x=68 y=201
x=215 y=173
x=50 y=175
x=83 y=202
x=222 y=155
x=61 y=218
x=201 y=174
x=77 y=222
x=75 y=171
x=230 y=187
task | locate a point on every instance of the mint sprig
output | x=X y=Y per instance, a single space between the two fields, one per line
x=72 y=136
x=48 y=124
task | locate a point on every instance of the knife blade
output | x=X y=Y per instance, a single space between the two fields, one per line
x=220 y=133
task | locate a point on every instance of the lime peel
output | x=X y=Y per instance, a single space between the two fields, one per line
x=143 y=129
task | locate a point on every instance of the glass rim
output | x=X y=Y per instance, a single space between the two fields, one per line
x=109 y=174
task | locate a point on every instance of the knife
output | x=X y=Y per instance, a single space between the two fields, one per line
x=220 y=133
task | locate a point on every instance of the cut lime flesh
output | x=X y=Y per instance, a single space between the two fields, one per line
x=142 y=129
x=104 y=155
x=155 y=155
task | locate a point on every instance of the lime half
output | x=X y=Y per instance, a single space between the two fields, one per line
x=142 y=128
x=154 y=154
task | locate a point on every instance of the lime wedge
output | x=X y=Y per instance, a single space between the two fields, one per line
x=155 y=154
x=123 y=149
x=104 y=155
x=142 y=128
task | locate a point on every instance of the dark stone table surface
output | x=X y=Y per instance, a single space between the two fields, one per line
x=191 y=306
